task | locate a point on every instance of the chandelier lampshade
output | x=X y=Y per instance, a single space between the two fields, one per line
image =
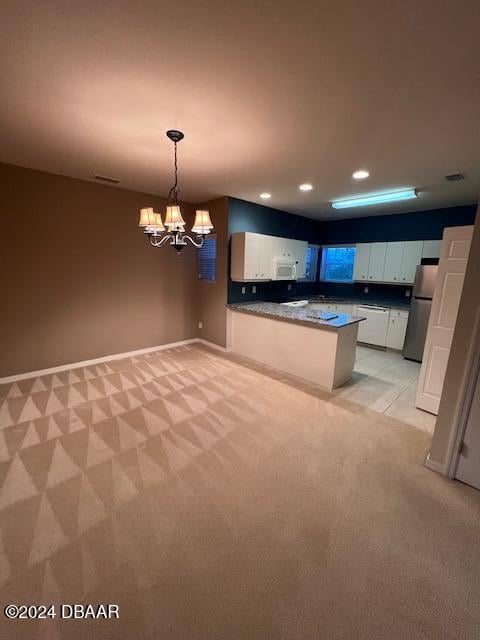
x=146 y=217
x=202 y=224
x=153 y=226
x=173 y=219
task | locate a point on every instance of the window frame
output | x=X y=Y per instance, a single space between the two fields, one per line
x=315 y=278
x=210 y=236
x=336 y=246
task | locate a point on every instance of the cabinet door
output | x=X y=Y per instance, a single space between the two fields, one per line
x=412 y=256
x=299 y=248
x=397 y=327
x=265 y=259
x=393 y=261
x=253 y=247
x=362 y=259
x=376 y=264
x=431 y=248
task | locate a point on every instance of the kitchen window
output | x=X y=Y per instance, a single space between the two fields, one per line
x=311 y=263
x=207 y=259
x=337 y=263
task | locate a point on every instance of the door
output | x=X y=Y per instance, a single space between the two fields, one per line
x=412 y=257
x=376 y=266
x=443 y=316
x=393 y=261
x=362 y=259
x=468 y=469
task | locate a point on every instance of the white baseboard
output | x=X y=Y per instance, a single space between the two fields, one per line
x=213 y=345
x=435 y=466
x=87 y=363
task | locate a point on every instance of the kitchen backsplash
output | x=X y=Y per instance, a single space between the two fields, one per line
x=280 y=291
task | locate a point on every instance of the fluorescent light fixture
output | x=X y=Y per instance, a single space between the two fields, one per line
x=265 y=196
x=305 y=187
x=375 y=198
x=361 y=174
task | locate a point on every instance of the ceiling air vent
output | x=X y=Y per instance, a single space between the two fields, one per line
x=106 y=179
x=455 y=177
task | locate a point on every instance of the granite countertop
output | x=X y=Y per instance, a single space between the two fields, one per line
x=299 y=315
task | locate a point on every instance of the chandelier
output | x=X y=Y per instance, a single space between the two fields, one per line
x=175 y=236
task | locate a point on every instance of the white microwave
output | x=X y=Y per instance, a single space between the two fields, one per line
x=284 y=269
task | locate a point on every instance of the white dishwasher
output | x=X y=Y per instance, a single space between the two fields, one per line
x=374 y=329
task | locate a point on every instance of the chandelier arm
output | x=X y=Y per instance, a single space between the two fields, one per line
x=161 y=241
x=198 y=244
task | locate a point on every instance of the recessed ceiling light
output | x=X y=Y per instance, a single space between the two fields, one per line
x=361 y=174
x=305 y=187
x=265 y=196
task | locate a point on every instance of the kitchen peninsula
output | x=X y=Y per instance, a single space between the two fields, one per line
x=299 y=340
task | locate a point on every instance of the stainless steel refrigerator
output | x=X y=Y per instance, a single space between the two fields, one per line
x=419 y=316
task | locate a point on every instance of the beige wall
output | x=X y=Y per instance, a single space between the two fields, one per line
x=213 y=295
x=457 y=370
x=78 y=279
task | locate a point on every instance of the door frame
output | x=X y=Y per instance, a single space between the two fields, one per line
x=472 y=372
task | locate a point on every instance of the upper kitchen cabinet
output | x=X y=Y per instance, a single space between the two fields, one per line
x=250 y=257
x=393 y=262
x=431 y=248
x=253 y=256
x=362 y=261
x=376 y=265
x=412 y=257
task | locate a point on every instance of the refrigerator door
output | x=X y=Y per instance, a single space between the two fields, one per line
x=417 y=329
x=424 y=281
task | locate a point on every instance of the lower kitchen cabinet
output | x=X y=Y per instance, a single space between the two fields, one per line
x=397 y=328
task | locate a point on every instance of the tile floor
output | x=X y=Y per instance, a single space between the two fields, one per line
x=385 y=382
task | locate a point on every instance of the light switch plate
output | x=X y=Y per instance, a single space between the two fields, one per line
x=407 y=293
x=365 y=289
x=254 y=289
x=289 y=287
x=200 y=325
x=243 y=290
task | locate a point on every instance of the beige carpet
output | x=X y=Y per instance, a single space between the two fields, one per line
x=211 y=500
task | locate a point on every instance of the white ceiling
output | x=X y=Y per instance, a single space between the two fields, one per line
x=269 y=94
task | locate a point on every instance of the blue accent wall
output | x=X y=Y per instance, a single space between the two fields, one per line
x=417 y=225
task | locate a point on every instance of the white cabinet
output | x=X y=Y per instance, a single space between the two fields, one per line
x=253 y=254
x=250 y=257
x=431 y=249
x=393 y=262
x=298 y=249
x=376 y=264
x=412 y=256
x=397 y=328
x=362 y=260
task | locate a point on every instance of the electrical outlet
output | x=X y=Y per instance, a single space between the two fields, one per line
x=254 y=289
x=289 y=287
x=243 y=290
x=365 y=289
x=407 y=293
x=200 y=325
